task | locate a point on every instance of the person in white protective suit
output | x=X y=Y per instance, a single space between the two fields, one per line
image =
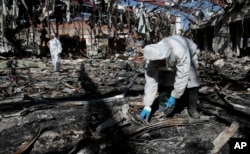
x=55 y=47
x=171 y=62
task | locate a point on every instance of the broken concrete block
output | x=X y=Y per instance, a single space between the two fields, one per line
x=24 y=63
x=6 y=64
x=219 y=63
x=243 y=60
x=245 y=69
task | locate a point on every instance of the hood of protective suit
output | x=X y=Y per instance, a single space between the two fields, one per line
x=156 y=51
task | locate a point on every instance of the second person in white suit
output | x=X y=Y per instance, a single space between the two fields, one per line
x=55 y=47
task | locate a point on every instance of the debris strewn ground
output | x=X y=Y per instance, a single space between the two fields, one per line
x=92 y=106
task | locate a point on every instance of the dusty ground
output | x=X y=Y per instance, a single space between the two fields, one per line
x=56 y=127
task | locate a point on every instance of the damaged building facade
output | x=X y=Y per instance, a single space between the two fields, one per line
x=216 y=25
x=228 y=32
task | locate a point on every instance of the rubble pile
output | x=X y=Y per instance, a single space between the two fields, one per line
x=76 y=78
x=92 y=106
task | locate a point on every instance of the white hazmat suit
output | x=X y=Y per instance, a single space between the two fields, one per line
x=55 y=47
x=180 y=55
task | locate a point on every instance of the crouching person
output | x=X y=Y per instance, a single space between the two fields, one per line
x=172 y=61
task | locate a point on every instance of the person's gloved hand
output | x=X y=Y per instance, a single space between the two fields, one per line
x=171 y=102
x=145 y=113
x=169 y=106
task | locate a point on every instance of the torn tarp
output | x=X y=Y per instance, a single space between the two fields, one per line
x=207 y=8
x=186 y=19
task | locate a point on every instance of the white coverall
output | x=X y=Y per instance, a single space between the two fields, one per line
x=55 y=47
x=180 y=55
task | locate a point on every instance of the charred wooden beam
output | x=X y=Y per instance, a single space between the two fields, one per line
x=118 y=98
x=169 y=122
x=230 y=105
x=27 y=110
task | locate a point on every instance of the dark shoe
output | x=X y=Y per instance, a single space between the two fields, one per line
x=160 y=108
x=162 y=99
x=168 y=110
x=194 y=113
x=193 y=96
x=164 y=111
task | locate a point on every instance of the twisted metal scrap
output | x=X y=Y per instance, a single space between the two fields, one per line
x=28 y=146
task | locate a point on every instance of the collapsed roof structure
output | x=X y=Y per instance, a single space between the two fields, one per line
x=212 y=22
x=92 y=106
x=208 y=21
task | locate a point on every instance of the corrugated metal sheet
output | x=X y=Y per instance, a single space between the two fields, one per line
x=186 y=19
x=207 y=8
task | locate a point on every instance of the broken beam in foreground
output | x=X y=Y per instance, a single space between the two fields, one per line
x=117 y=98
x=224 y=136
x=169 y=122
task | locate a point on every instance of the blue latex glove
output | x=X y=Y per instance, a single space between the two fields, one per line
x=145 y=113
x=169 y=106
x=171 y=102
